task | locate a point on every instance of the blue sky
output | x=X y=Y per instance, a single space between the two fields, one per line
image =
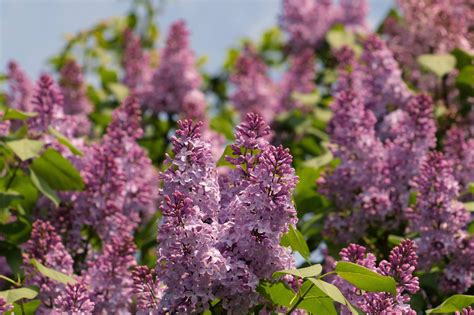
x=33 y=30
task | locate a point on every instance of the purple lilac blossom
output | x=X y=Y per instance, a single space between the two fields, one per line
x=46 y=247
x=146 y=288
x=401 y=265
x=4 y=126
x=254 y=90
x=73 y=88
x=20 y=88
x=4 y=306
x=465 y=311
x=176 y=82
x=299 y=78
x=459 y=148
x=74 y=300
x=307 y=21
x=109 y=275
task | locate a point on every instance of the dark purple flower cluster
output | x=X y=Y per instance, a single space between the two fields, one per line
x=401 y=265
x=308 y=21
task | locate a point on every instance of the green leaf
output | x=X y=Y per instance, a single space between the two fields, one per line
x=52 y=274
x=334 y=293
x=6 y=198
x=469 y=206
x=278 y=293
x=12 y=113
x=25 y=149
x=337 y=38
x=57 y=171
x=452 y=304
x=44 y=187
x=227 y=152
x=307 y=272
x=13 y=255
x=28 y=308
x=65 y=141
x=308 y=99
x=296 y=241
x=394 y=239
x=364 y=278
x=439 y=64
x=119 y=90
x=14 y=295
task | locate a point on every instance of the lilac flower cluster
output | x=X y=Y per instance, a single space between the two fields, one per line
x=220 y=235
x=146 y=288
x=380 y=150
x=73 y=300
x=401 y=265
x=4 y=306
x=308 y=21
x=20 y=88
x=73 y=89
x=46 y=247
x=459 y=148
x=441 y=222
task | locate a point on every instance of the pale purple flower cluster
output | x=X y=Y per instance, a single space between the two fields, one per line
x=298 y=79
x=441 y=221
x=46 y=247
x=380 y=150
x=308 y=21
x=146 y=288
x=74 y=300
x=254 y=90
x=136 y=65
x=175 y=83
x=20 y=88
x=4 y=306
x=401 y=265
x=459 y=148
x=73 y=88
x=429 y=27
x=218 y=241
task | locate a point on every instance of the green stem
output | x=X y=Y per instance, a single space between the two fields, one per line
x=10 y=280
x=300 y=300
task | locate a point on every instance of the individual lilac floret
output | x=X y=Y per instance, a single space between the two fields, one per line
x=308 y=21
x=46 y=247
x=254 y=90
x=109 y=277
x=459 y=148
x=4 y=306
x=176 y=82
x=73 y=89
x=401 y=265
x=299 y=78
x=136 y=65
x=146 y=288
x=74 y=300
x=20 y=88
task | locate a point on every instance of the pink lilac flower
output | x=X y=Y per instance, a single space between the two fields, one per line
x=466 y=311
x=46 y=247
x=146 y=288
x=74 y=300
x=299 y=78
x=401 y=265
x=254 y=90
x=176 y=82
x=20 y=88
x=308 y=21
x=136 y=64
x=459 y=148
x=109 y=276
x=4 y=306
x=73 y=88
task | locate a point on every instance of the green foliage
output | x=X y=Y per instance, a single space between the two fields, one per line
x=44 y=187
x=65 y=141
x=364 y=278
x=307 y=272
x=28 y=308
x=296 y=241
x=52 y=274
x=452 y=304
x=276 y=292
x=25 y=149
x=333 y=292
x=15 y=114
x=14 y=295
x=439 y=64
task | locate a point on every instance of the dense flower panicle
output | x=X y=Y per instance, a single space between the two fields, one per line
x=109 y=276
x=74 y=300
x=307 y=21
x=146 y=288
x=73 y=89
x=189 y=264
x=20 y=88
x=254 y=90
x=459 y=148
x=176 y=82
x=136 y=64
x=46 y=247
x=401 y=265
x=299 y=78
x=4 y=306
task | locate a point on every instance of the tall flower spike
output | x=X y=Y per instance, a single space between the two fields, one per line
x=254 y=90
x=74 y=300
x=20 y=88
x=146 y=288
x=73 y=89
x=109 y=277
x=46 y=247
x=176 y=82
x=459 y=148
x=297 y=79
